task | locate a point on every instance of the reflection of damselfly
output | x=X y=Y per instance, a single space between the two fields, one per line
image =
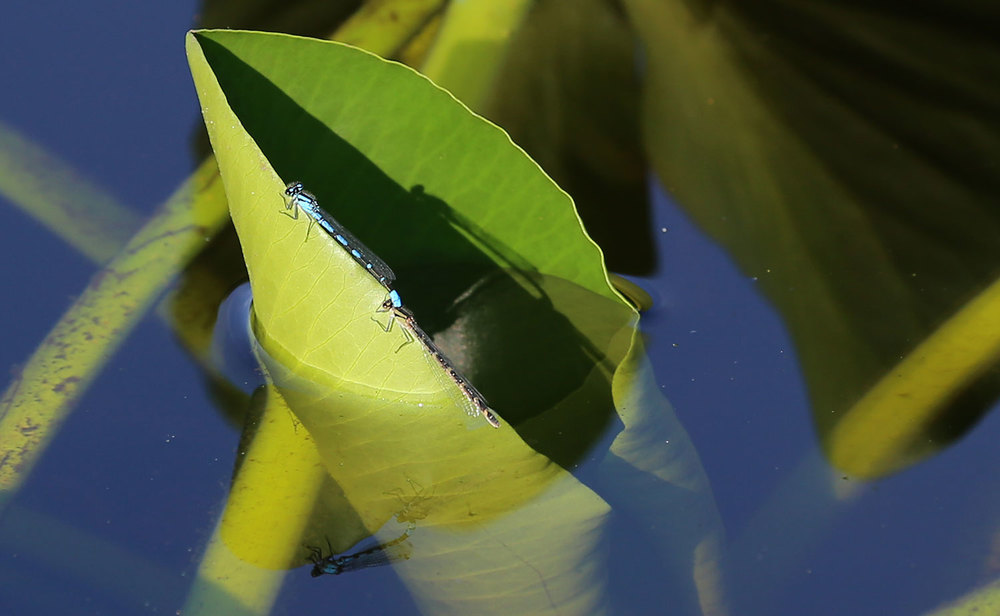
x=297 y=198
x=374 y=556
x=473 y=401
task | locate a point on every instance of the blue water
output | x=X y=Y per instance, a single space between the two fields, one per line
x=113 y=518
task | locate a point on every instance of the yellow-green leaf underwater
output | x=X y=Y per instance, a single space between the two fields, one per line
x=53 y=192
x=277 y=484
x=37 y=402
x=849 y=171
x=983 y=600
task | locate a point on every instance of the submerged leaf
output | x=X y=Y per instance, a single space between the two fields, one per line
x=37 y=402
x=842 y=153
x=54 y=193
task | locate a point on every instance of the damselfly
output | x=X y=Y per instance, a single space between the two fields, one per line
x=474 y=402
x=374 y=556
x=297 y=198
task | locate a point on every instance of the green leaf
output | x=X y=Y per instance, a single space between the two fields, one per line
x=491 y=256
x=566 y=53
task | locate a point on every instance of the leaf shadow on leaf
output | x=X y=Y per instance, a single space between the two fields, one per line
x=525 y=339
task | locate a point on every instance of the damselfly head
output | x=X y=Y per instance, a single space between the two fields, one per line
x=317 y=559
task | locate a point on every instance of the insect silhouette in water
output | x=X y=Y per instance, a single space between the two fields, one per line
x=375 y=556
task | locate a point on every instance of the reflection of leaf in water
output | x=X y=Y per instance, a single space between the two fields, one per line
x=953 y=366
x=545 y=557
x=653 y=473
x=838 y=151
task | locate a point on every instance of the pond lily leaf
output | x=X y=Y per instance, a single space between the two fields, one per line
x=457 y=211
x=563 y=54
